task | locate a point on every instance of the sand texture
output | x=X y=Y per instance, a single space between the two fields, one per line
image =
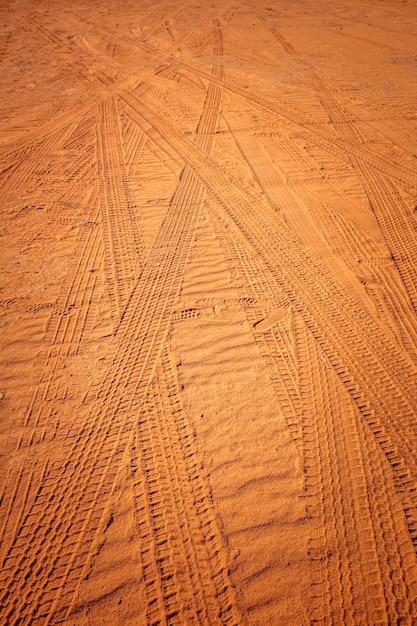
x=208 y=296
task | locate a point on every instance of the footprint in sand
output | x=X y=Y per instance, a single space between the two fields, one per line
x=276 y=315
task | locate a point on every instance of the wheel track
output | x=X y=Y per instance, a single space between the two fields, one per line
x=25 y=480
x=337 y=500
x=63 y=337
x=248 y=56
x=59 y=104
x=40 y=423
x=336 y=145
x=54 y=557
x=382 y=283
x=11 y=151
x=283 y=197
x=352 y=245
x=390 y=529
x=82 y=478
x=233 y=195
x=287 y=46
x=394 y=309
x=395 y=220
x=98 y=435
x=352 y=342
x=277 y=344
x=133 y=143
x=83 y=64
x=64 y=333
x=122 y=240
x=28 y=160
x=397 y=225
x=332 y=584
x=184 y=565
x=352 y=488
x=365 y=40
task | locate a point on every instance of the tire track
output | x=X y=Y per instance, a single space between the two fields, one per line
x=360 y=537
x=395 y=220
x=385 y=289
x=379 y=275
x=122 y=240
x=27 y=164
x=397 y=225
x=74 y=493
x=365 y=40
x=60 y=103
x=83 y=478
x=133 y=143
x=339 y=146
x=284 y=197
x=63 y=339
x=352 y=341
x=11 y=151
x=65 y=332
x=277 y=343
x=351 y=489
x=349 y=242
x=210 y=172
x=183 y=555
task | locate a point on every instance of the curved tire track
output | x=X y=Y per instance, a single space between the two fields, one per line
x=351 y=340
x=73 y=494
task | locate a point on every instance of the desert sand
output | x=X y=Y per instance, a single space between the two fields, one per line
x=208 y=295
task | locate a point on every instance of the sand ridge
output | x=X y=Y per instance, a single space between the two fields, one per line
x=208 y=310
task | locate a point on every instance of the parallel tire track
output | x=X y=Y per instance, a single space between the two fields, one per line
x=395 y=220
x=277 y=344
x=365 y=543
x=85 y=473
x=377 y=374
x=75 y=490
x=342 y=146
x=397 y=225
x=65 y=330
x=183 y=556
x=122 y=239
x=360 y=539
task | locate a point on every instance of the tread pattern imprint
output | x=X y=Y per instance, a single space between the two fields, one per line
x=208 y=301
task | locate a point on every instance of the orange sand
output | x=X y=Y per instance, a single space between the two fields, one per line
x=208 y=308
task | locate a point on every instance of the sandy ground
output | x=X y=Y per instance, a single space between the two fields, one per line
x=208 y=302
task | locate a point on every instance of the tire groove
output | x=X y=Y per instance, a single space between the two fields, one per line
x=344 y=330
x=123 y=246
x=330 y=142
x=139 y=339
x=323 y=430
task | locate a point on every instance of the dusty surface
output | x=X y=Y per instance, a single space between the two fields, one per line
x=208 y=312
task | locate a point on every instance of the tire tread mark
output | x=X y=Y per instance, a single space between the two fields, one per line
x=394 y=218
x=133 y=143
x=65 y=329
x=341 y=327
x=368 y=534
x=349 y=242
x=122 y=240
x=184 y=563
x=277 y=344
x=396 y=224
x=336 y=502
x=282 y=195
x=90 y=456
x=28 y=159
x=332 y=143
